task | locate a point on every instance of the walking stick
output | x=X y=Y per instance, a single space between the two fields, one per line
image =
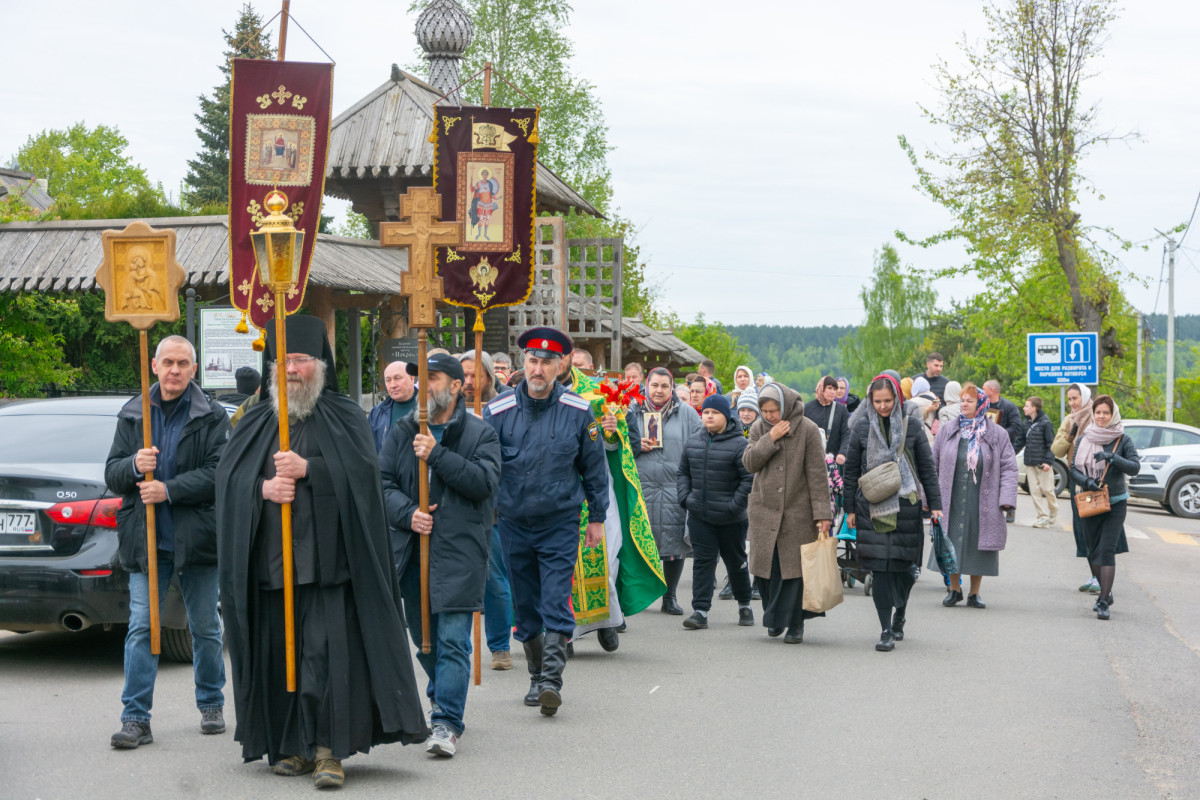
x=151 y=537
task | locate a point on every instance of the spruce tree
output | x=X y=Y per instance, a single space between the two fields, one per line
x=208 y=174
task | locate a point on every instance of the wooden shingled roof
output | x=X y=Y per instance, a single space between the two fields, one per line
x=62 y=256
x=387 y=134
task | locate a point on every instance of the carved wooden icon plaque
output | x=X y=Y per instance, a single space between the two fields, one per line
x=140 y=276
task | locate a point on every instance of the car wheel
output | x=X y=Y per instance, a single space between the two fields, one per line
x=177 y=645
x=1060 y=478
x=1185 y=496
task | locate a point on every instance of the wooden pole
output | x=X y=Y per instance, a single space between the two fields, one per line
x=285 y=510
x=151 y=537
x=423 y=477
x=283 y=20
x=487 y=83
x=480 y=377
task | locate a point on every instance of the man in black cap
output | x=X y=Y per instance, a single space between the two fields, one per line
x=552 y=461
x=355 y=686
x=247 y=380
x=462 y=455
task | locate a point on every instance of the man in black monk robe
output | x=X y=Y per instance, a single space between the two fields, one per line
x=355 y=686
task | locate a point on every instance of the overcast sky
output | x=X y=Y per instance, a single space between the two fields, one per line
x=756 y=142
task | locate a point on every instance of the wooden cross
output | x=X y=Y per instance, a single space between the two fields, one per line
x=420 y=235
x=423 y=289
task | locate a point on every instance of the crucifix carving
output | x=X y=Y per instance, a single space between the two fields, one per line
x=420 y=234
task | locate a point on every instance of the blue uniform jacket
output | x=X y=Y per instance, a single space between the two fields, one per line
x=552 y=459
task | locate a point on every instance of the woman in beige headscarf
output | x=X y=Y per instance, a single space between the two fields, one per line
x=1079 y=401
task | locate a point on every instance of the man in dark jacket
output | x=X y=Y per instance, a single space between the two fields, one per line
x=188 y=433
x=831 y=417
x=1039 y=463
x=714 y=486
x=400 y=402
x=933 y=373
x=1006 y=414
x=355 y=687
x=247 y=380
x=462 y=454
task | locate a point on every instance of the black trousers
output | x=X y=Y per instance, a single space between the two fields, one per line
x=728 y=542
x=890 y=591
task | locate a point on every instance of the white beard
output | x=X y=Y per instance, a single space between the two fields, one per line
x=302 y=395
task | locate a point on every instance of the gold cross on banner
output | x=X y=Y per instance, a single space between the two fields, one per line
x=420 y=234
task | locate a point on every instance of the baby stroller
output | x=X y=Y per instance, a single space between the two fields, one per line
x=847 y=551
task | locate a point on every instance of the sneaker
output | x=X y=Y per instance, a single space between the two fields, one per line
x=755 y=594
x=132 y=735
x=1102 y=610
x=696 y=621
x=328 y=774
x=443 y=741
x=726 y=591
x=293 y=766
x=1040 y=522
x=212 y=721
x=501 y=659
x=745 y=617
x=1092 y=586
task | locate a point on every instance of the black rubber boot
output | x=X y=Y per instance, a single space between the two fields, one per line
x=533 y=658
x=554 y=660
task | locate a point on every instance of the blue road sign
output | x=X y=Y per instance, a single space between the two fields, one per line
x=1057 y=359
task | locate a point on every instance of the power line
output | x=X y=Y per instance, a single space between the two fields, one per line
x=1193 y=263
x=1162 y=266
x=1192 y=217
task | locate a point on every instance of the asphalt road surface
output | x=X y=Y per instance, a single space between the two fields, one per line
x=1031 y=698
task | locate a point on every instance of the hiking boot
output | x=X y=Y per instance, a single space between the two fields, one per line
x=745 y=617
x=293 y=766
x=212 y=721
x=501 y=659
x=132 y=735
x=328 y=774
x=443 y=741
x=1093 y=586
x=695 y=622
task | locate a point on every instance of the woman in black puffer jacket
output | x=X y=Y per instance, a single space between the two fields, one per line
x=889 y=532
x=714 y=486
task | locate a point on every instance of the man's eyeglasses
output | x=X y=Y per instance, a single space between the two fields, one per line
x=300 y=361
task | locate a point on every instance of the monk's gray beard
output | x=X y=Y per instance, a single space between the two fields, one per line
x=440 y=402
x=302 y=395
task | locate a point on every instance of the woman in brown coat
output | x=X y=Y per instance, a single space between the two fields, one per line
x=788 y=505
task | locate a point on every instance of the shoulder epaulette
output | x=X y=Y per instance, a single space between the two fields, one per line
x=575 y=401
x=502 y=403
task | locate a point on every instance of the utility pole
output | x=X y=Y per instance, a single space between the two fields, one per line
x=1170 y=329
x=1139 y=351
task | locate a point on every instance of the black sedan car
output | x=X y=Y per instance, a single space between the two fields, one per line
x=59 y=569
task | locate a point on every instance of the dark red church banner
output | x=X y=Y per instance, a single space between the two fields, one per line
x=485 y=167
x=278 y=138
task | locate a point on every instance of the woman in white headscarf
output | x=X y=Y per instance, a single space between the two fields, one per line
x=1104 y=455
x=952 y=406
x=1079 y=401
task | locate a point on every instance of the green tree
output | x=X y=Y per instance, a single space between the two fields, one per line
x=82 y=165
x=30 y=347
x=354 y=226
x=208 y=172
x=898 y=309
x=1020 y=127
x=714 y=341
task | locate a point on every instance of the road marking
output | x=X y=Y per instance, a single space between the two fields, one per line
x=1134 y=533
x=1175 y=537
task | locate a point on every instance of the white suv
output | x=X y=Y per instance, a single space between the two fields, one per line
x=1170 y=475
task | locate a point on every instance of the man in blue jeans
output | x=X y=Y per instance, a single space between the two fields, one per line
x=188 y=433
x=497 y=606
x=461 y=454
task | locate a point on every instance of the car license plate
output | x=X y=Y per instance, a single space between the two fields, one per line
x=18 y=523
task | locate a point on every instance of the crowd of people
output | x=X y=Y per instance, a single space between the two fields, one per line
x=561 y=509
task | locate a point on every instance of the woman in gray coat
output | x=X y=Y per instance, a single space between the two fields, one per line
x=658 y=464
x=977 y=473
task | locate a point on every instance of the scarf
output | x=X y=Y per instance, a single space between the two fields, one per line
x=1092 y=441
x=971 y=430
x=880 y=450
x=844 y=398
x=671 y=401
x=710 y=389
x=771 y=391
x=1082 y=418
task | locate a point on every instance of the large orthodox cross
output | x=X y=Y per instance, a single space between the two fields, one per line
x=423 y=288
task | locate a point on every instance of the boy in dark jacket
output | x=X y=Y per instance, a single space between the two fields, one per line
x=714 y=486
x=1039 y=463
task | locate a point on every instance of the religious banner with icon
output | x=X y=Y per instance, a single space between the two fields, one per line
x=279 y=137
x=484 y=167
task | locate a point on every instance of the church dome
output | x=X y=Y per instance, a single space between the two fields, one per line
x=444 y=29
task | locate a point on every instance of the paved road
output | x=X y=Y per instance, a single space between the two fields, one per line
x=1031 y=698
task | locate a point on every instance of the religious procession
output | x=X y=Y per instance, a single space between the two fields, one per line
x=448 y=474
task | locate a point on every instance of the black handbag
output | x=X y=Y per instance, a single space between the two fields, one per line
x=943 y=550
